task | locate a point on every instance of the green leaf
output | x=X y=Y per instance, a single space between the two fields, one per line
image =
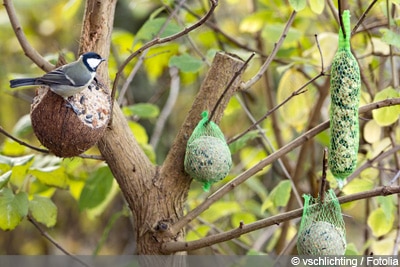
x=351 y=249
x=220 y=210
x=23 y=126
x=358 y=185
x=242 y=141
x=13 y=208
x=198 y=232
x=387 y=115
x=157 y=59
x=387 y=205
x=4 y=178
x=96 y=189
x=122 y=40
x=16 y=161
x=317 y=6
x=279 y=196
x=251 y=156
x=298 y=4
x=390 y=37
x=18 y=165
x=379 y=223
x=139 y=132
x=12 y=148
x=186 y=63
x=254 y=22
x=151 y=29
x=51 y=176
x=142 y=110
x=43 y=210
x=272 y=31
x=242 y=216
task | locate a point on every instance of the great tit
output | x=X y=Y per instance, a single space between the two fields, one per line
x=68 y=79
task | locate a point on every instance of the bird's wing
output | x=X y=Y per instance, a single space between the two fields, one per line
x=56 y=76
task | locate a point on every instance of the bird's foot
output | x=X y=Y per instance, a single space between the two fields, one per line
x=73 y=107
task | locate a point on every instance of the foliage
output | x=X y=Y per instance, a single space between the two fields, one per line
x=50 y=190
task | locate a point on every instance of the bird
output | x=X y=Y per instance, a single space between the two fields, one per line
x=68 y=79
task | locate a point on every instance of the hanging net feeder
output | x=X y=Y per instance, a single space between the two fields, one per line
x=207 y=158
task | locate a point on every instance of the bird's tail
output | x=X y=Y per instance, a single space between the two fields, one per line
x=22 y=82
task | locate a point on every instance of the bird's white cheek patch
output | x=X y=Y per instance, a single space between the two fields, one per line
x=94 y=62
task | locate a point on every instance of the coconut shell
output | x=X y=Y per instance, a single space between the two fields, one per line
x=60 y=129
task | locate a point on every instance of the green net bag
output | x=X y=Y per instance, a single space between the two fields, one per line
x=207 y=158
x=322 y=230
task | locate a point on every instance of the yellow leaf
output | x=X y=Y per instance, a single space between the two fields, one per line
x=358 y=185
x=379 y=223
x=158 y=58
x=372 y=132
x=251 y=156
x=317 y=6
x=387 y=115
x=296 y=111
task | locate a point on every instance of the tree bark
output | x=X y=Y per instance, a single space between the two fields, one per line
x=156 y=195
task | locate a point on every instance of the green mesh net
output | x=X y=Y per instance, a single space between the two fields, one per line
x=322 y=230
x=207 y=157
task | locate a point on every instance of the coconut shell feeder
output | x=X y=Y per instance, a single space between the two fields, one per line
x=60 y=129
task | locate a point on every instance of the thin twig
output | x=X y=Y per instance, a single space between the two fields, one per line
x=320 y=53
x=237 y=73
x=158 y=41
x=341 y=19
x=230 y=39
x=29 y=51
x=363 y=16
x=331 y=6
x=265 y=162
x=22 y=143
x=171 y=247
x=299 y=91
x=323 y=178
x=96 y=157
x=129 y=79
x=169 y=105
x=143 y=55
x=45 y=151
x=192 y=43
x=266 y=64
x=369 y=162
x=54 y=242
x=280 y=162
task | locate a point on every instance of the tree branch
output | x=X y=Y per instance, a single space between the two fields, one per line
x=54 y=242
x=158 y=41
x=363 y=16
x=277 y=219
x=265 y=66
x=168 y=107
x=268 y=160
x=299 y=91
x=45 y=151
x=22 y=143
x=29 y=51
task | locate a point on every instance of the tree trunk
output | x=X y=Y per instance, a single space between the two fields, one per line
x=155 y=195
